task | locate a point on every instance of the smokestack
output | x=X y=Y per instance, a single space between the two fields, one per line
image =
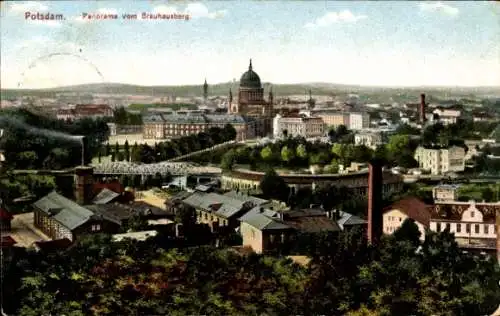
x=84 y=181
x=374 y=202
x=498 y=235
x=422 y=108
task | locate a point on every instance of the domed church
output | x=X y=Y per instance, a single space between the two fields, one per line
x=251 y=101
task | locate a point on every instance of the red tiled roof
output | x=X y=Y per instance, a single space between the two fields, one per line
x=454 y=210
x=7 y=241
x=51 y=245
x=114 y=186
x=414 y=209
x=4 y=214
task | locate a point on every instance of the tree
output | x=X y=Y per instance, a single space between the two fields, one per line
x=126 y=151
x=301 y=151
x=487 y=194
x=267 y=153
x=228 y=132
x=108 y=149
x=27 y=159
x=287 y=154
x=408 y=232
x=273 y=186
x=117 y=149
x=228 y=160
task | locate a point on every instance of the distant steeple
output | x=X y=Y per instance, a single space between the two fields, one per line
x=230 y=96
x=205 y=90
x=250 y=66
x=271 y=96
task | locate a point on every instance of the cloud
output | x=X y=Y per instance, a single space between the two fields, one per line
x=28 y=6
x=194 y=10
x=330 y=18
x=439 y=7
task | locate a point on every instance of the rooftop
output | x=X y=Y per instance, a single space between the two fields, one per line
x=414 y=209
x=67 y=212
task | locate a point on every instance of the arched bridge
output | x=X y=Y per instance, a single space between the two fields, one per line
x=163 y=168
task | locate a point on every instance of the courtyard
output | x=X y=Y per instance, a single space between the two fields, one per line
x=24 y=231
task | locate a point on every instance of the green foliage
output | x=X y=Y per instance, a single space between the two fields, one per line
x=274 y=187
x=123 y=117
x=27 y=133
x=228 y=160
x=345 y=277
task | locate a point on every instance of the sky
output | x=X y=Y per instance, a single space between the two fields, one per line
x=392 y=43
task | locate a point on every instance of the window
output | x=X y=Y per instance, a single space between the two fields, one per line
x=447 y=226
x=253 y=234
x=476 y=228
x=96 y=227
x=467 y=228
x=486 y=230
x=472 y=214
x=438 y=227
x=459 y=228
x=272 y=238
x=400 y=219
x=494 y=229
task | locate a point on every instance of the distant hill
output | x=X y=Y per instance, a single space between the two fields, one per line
x=317 y=88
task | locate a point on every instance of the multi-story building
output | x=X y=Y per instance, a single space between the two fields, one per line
x=441 y=160
x=332 y=118
x=83 y=111
x=251 y=102
x=369 y=139
x=445 y=192
x=178 y=124
x=358 y=121
x=474 y=224
x=298 y=125
x=447 y=116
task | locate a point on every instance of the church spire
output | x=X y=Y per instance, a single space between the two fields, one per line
x=250 y=66
x=230 y=96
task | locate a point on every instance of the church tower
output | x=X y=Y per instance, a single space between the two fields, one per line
x=271 y=97
x=205 y=91
x=230 y=108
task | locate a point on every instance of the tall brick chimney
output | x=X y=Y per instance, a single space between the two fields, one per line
x=422 y=108
x=84 y=181
x=498 y=235
x=375 y=183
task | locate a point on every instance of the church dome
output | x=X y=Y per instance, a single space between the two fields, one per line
x=250 y=79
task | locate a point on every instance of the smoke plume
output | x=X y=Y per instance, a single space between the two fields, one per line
x=9 y=122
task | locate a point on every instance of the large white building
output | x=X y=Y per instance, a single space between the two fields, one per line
x=359 y=120
x=298 y=126
x=447 y=116
x=369 y=139
x=473 y=224
x=441 y=161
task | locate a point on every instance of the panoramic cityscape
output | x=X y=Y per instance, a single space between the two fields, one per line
x=250 y=158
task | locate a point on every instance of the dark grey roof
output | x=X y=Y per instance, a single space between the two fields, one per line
x=143 y=208
x=105 y=196
x=264 y=219
x=347 y=219
x=221 y=205
x=185 y=118
x=116 y=213
x=153 y=118
x=246 y=198
x=63 y=210
x=226 y=118
x=203 y=188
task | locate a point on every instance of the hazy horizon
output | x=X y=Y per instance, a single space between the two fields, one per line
x=366 y=44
